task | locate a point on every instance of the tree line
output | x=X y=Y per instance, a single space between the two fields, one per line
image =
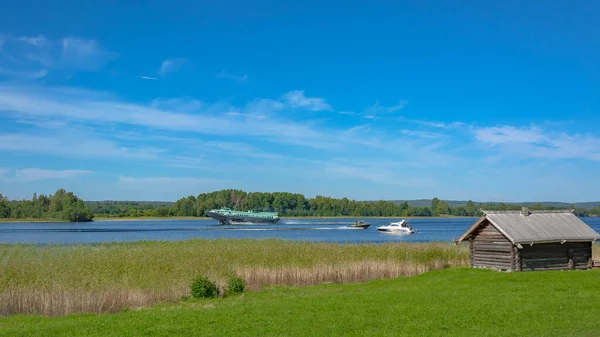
x=63 y=206
x=294 y=204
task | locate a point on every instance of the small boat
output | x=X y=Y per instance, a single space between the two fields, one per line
x=359 y=225
x=397 y=227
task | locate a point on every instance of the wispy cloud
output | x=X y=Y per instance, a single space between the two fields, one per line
x=165 y=188
x=90 y=107
x=533 y=141
x=238 y=78
x=421 y=134
x=171 y=65
x=73 y=145
x=148 y=78
x=297 y=99
x=35 y=174
x=509 y=135
x=376 y=109
x=24 y=74
x=164 y=180
x=440 y=125
x=375 y=173
x=165 y=132
x=83 y=54
x=37 y=41
x=3 y=171
x=34 y=56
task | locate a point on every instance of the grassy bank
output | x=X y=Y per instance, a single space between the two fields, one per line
x=449 y=302
x=61 y=279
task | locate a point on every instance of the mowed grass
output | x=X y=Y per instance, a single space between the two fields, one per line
x=450 y=302
x=106 y=278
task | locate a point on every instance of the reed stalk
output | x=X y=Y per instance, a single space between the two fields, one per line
x=56 y=280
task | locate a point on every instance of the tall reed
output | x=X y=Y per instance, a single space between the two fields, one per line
x=62 y=279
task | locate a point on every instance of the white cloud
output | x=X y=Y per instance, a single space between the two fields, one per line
x=440 y=125
x=82 y=106
x=24 y=74
x=148 y=78
x=163 y=180
x=231 y=76
x=171 y=65
x=377 y=108
x=35 y=174
x=166 y=188
x=297 y=99
x=3 y=171
x=72 y=145
x=509 y=135
x=385 y=173
x=118 y=130
x=37 y=41
x=538 y=143
x=420 y=134
x=33 y=56
x=178 y=104
x=83 y=54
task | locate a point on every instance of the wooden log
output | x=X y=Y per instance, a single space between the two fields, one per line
x=491 y=258
x=487 y=259
x=496 y=246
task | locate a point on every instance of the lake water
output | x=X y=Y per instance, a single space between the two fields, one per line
x=328 y=230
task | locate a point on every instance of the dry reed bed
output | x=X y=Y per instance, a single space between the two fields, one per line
x=57 y=279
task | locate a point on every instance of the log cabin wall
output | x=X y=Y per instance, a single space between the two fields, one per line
x=556 y=256
x=491 y=249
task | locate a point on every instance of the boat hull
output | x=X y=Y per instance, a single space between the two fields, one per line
x=359 y=227
x=235 y=219
x=388 y=230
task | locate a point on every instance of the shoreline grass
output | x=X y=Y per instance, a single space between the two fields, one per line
x=450 y=302
x=106 y=278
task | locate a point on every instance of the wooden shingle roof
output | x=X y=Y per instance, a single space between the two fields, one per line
x=536 y=226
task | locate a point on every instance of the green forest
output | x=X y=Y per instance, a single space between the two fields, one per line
x=293 y=204
x=65 y=206
x=62 y=206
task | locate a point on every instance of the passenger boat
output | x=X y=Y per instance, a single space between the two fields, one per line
x=359 y=225
x=227 y=216
x=397 y=227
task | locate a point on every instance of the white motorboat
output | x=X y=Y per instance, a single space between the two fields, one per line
x=397 y=227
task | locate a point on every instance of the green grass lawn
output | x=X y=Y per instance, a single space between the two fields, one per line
x=451 y=302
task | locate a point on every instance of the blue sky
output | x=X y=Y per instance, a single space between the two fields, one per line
x=473 y=100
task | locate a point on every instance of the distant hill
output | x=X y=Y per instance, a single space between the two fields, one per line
x=455 y=203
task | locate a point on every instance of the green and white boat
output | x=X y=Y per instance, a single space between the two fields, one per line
x=227 y=216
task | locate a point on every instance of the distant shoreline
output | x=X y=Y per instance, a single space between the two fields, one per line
x=190 y=218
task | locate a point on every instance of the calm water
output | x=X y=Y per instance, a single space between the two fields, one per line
x=331 y=230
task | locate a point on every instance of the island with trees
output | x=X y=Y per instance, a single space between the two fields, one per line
x=61 y=206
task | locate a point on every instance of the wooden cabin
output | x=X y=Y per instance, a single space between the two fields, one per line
x=530 y=240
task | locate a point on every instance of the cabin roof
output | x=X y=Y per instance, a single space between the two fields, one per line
x=536 y=226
